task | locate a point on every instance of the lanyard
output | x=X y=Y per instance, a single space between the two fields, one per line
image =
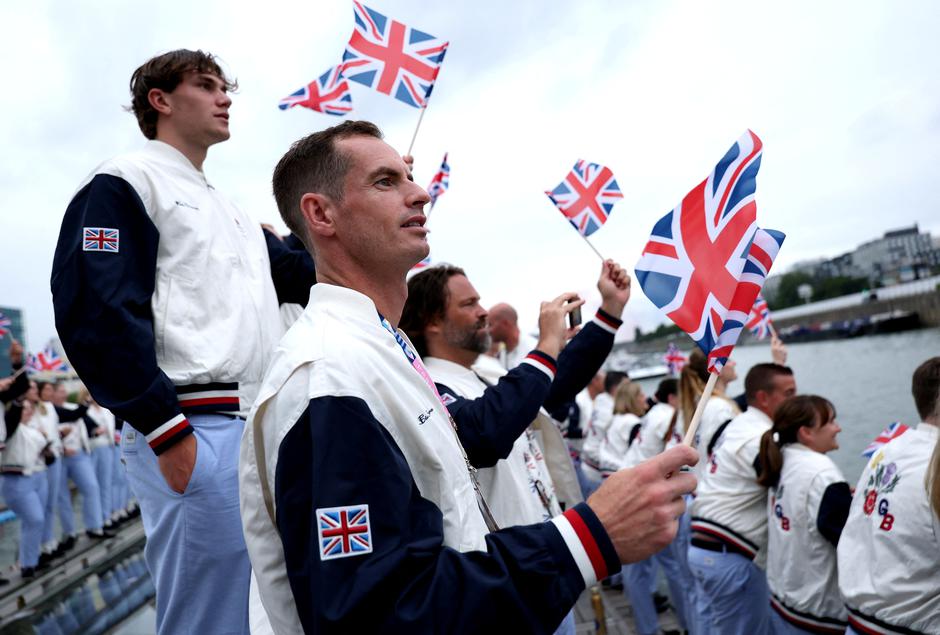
x=419 y=368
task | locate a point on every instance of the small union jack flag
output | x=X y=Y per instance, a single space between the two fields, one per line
x=706 y=260
x=586 y=196
x=440 y=182
x=344 y=531
x=46 y=360
x=392 y=57
x=893 y=431
x=674 y=359
x=5 y=325
x=424 y=264
x=758 y=322
x=100 y=239
x=329 y=94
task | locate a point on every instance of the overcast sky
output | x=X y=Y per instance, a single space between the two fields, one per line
x=843 y=94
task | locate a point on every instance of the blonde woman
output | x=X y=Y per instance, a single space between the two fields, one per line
x=629 y=406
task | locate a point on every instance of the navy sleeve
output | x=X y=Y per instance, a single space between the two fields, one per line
x=102 y=299
x=399 y=578
x=834 y=511
x=67 y=415
x=17 y=389
x=489 y=425
x=581 y=358
x=292 y=270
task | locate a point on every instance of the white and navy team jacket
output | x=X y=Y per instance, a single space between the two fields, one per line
x=24 y=445
x=806 y=512
x=533 y=476
x=357 y=505
x=650 y=439
x=163 y=293
x=889 y=554
x=729 y=504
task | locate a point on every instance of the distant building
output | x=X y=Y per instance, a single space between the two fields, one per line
x=16 y=329
x=901 y=255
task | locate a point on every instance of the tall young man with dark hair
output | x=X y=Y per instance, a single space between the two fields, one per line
x=165 y=305
x=728 y=553
x=360 y=507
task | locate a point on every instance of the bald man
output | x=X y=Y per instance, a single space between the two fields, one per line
x=510 y=345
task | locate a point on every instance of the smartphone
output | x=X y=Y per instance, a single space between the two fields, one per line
x=574 y=317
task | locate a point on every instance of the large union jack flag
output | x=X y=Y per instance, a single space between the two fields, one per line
x=329 y=94
x=706 y=260
x=586 y=196
x=344 y=531
x=5 y=325
x=893 y=431
x=440 y=182
x=392 y=57
x=758 y=321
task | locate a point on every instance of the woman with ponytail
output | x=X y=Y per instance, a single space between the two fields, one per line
x=807 y=504
x=719 y=409
x=629 y=406
x=889 y=555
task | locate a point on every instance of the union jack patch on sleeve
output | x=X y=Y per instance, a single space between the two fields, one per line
x=344 y=531
x=100 y=239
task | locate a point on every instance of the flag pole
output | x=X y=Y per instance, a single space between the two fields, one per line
x=700 y=408
x=773 y=331
x=592 y=246
x=415 y=135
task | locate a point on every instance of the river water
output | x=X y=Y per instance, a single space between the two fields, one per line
x=867 y=378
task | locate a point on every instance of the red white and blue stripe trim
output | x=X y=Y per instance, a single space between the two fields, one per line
x=169 y=433
x=208 y=398
x=807 y=622
x=589 y=544
x=607 y=321
x=870 y=626
x=543 y=362
x=732 y=539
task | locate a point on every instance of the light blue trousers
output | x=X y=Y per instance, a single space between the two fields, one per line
x=80 y=469
x=26 y=496
x=195 y=548
x=637 y=579
x=103 y=460
x=120 y=494
x=54 y=481
x=732 y=597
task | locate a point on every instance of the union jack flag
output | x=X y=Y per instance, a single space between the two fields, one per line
x=46 y=360
x=706 y=260
x=329 y=94
x=758 y=322
x=586 y=196
x=674 y=359
x=100 y=239
x=893 y=431
x=344 y=531
x=392 y=57
x=5 y=325
x=440 y=182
